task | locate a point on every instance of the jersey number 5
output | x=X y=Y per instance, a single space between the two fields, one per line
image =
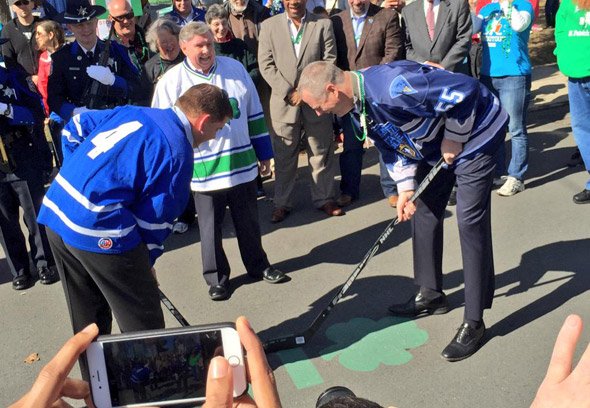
x=447 y=100
x=104 y=141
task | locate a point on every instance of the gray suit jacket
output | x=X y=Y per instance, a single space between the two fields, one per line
x=452 y=34
x=281 y=68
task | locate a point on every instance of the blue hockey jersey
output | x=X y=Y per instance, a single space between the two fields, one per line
x=126 y=177
x=410 y=108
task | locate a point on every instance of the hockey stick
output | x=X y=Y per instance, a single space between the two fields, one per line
x=172 y=309
x=296 y=340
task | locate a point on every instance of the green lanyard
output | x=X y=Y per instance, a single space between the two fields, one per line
x=363 y=110
x=297 y=40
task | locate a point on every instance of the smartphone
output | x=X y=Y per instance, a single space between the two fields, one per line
x=161 y=367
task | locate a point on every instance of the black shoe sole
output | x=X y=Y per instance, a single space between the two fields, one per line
x=219 y=297
x=433 y=311
x=26 y=286
x=454 y=359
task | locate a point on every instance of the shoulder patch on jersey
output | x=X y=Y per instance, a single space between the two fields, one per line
x=400 y=86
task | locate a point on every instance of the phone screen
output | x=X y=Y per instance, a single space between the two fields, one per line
x=163 y=368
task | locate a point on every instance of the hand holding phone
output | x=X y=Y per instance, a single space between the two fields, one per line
x=219 y=379
x=53 y=382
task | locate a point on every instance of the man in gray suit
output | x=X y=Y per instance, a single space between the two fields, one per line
x=287 y=43
x=438 y=32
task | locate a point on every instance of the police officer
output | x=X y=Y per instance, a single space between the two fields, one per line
x=25 y=163
x=75 y=67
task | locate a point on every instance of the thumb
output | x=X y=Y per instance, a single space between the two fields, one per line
x=219 y=390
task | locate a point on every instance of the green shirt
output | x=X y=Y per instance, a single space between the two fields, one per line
x=572 y=39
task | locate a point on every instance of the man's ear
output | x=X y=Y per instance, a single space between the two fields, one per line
x=200 y=121
x=330 y=88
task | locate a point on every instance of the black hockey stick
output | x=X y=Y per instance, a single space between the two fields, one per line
x=172 y=309
x=296 y=340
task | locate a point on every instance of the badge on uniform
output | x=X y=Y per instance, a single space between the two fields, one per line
x=400 y=86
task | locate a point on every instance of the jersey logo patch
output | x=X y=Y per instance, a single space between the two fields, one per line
x=400 y=86
x=235 y=108
x=105 y=243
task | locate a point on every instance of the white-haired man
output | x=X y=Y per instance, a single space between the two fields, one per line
x=225 y=169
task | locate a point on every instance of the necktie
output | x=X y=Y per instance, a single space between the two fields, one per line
x=90 y=55
x=430 y=19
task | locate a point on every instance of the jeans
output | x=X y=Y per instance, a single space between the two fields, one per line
x=514 y=93
x=579 y=97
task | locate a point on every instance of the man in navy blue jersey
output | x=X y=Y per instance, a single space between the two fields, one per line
x=125 y=178
x=415 y=114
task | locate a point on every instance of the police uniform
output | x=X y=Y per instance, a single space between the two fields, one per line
x=69 y=85
x=26 y=163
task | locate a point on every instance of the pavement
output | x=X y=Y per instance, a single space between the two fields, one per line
x=541 y=247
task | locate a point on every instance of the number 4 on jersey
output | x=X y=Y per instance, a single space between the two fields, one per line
x=105 y=141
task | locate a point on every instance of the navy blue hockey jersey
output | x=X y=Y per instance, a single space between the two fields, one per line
x=411 y=107
x=125 y=178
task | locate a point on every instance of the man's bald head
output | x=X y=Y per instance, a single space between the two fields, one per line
x=118 y=7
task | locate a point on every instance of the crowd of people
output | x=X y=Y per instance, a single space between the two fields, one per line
x=173 y=117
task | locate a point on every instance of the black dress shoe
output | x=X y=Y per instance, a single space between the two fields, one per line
x=22 y=282
x=418 y=305
x=218 y=292
x=273 y=275
x=583 y=197
x=465 y=343
x=47 y=276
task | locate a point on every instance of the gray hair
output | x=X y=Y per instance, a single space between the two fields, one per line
x=192 y=29
x=216 y=11
x=163 y=23
x=317 y=75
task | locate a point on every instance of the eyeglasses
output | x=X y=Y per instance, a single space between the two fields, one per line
x=120 y=19
x=21 y=3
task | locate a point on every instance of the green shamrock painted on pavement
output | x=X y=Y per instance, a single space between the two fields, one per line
x=363 y=344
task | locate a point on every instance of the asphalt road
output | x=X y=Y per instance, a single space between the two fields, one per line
x=541 y=252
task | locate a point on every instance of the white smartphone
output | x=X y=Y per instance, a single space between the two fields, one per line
x=161 y=367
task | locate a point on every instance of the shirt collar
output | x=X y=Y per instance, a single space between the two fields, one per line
x=291 y=21
x=85 y=50
x=353 y=16
x=188 y=130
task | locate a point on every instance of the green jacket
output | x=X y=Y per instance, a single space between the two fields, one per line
x=572 y=39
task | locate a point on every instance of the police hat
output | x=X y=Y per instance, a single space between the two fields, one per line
x=79 y=11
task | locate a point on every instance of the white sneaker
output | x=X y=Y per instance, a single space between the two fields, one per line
x=180 y=227
x=511 y=186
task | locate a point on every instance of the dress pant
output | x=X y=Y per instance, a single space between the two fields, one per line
x=351 y=158
x=28 y=194
x=95 y=284
x=286 y=139
x=474 y=183
x=211 y=207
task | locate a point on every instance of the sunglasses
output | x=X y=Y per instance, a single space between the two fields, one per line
x=120 y=19
x=21 y=3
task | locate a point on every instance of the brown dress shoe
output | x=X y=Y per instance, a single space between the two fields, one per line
x=392 y=200
x=332 y=209
x=344 y=200
x=279 y=214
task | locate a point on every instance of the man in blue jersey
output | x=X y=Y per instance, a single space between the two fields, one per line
x=125 y=178
x=415 y=113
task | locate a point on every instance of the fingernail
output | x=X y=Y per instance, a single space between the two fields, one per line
x=89 y=329
x=572 y=320
x=218 y=368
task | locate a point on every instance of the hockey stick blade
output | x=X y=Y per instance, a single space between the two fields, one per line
x=172 y=309
x=292 y=341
